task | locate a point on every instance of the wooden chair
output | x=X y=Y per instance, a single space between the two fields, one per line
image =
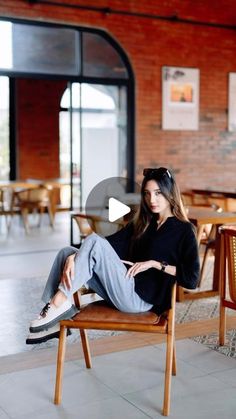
x=83 y=226
x=88 y=223
x=218 y=201
x=209 y=242
x=30 y=200
x=187 y=198
x=100 y=315
x=200 y=200
x=5 y=207
x=227 y=276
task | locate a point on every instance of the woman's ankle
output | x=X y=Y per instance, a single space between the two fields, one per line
x=58 y=299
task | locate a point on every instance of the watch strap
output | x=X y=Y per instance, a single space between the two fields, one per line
x=163 y=266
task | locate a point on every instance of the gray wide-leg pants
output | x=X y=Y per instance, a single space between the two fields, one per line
x=99 y=267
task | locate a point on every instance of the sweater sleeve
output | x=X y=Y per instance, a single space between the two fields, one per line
x=188 y=268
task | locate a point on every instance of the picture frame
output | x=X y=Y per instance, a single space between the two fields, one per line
x=180 y=98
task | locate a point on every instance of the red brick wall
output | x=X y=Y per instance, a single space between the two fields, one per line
x=202 y=158
x=38 y=104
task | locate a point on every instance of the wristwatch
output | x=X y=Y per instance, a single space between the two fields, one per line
x=163 y=266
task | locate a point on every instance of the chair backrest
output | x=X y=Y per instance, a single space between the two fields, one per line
x=40 y=194
x=187 y=198
x=33 y=195
x=82 y=223
x=230 y=254
x=199 y=199
x=218 y=202
x=88 y=223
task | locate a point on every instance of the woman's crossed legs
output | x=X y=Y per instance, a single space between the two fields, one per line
x=97 y=266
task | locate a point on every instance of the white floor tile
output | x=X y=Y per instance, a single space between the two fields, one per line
x=197 y=398
x=112 y=408
x=3 y=415
x=205 y=359
x=227 y=376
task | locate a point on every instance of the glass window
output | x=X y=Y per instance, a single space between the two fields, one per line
x=4 y=128
x=99 y=128
x=100 y=59
x=94 y=97
x=6 y=46
x=42 y=49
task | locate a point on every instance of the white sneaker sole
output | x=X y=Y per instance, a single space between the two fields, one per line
x=44 y=336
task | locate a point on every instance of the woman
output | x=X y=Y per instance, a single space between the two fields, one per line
x=132 y=269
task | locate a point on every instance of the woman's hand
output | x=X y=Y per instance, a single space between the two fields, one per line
x=68 y=272
x=127 y=262
x=139 y=267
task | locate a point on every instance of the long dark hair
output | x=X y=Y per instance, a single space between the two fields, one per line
x=169 y=189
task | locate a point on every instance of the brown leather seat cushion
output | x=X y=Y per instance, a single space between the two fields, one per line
x=101 y=312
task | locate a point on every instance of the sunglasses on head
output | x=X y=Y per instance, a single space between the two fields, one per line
x=161 y=171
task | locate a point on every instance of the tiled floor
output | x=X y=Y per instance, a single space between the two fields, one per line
x=126 y=384
x=25 y=256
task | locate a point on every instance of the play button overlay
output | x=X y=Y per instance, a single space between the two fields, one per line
x=117 y=209
x=109 y=202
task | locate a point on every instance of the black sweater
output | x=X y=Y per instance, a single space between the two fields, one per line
x=175 y=243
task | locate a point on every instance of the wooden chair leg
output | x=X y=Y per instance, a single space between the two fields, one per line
x=202 y=268
x=168 y=371
x=179 y=294
x=85 y=346
x=51 y=216
x=205 y=257
x=222 y=325
x=8 y=223
x=24 y=214
x=60 y=364
x=174 y=364
x=41 y=212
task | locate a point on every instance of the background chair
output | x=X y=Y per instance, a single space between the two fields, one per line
x=100 y=315
x=187 y=197
x=4 y=206
x=227 y=276
x=208 y=242
x=88 y=223
x=31 y=200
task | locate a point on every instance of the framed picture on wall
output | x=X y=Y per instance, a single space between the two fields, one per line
x=180 y=98
x=232 y=103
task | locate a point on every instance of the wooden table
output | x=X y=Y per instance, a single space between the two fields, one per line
x=200 y=217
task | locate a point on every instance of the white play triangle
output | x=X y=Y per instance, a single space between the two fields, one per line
x=117 y=209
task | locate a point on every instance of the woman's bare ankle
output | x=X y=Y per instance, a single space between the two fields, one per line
x=58 y=299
